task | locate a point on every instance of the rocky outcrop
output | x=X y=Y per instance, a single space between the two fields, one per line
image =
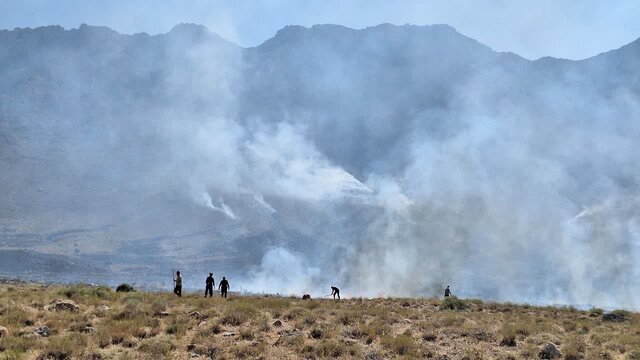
x=615 y=316
x=549 y=351
x=33 y=332
x=63 y=305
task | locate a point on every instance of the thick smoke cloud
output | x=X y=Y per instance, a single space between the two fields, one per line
x=516 y=205
x=387 y=161
x=514 y=202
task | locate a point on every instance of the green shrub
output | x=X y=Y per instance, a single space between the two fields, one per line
x=347 y=318
x=310 y=305
x=157 y=346
x=574 y=349
x=68 y=344
x=480 y=302
x=508 y=336
x=596 y=311
x=81 y=292
x=633 y=355
x=264 y=324
x=247 y=334
x=276 y=306
x=158 y=306
x=450 y=320
x=295 y=313
x=17 y=344
x=375 y=329
x=248 y=351
x=54 y=355
x=14 y=316
x=402 y=344
x=177 y=328
x=238 y=314
x=452 y=303
x=330 y=348
x=131 y=311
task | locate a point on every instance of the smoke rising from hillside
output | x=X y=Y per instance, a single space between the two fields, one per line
x=387 y=161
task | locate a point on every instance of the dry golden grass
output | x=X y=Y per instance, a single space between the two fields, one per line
x=142 y=325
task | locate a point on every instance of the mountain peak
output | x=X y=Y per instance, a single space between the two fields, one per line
x=297 y=30
x=290 y=30
x=190 y=28
x=438 y=36
x=91 y=28
x=195 y=33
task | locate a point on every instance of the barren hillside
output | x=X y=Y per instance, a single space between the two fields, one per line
x=81 y=322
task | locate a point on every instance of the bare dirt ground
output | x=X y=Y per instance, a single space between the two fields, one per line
x=83 y=322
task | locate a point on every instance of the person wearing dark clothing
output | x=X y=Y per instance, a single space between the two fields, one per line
x=223 y=287
x=210 y=284
x=178 y=281
x=335 y=292
x=447 y=292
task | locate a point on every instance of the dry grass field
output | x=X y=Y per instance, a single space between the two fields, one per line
x=142 y=325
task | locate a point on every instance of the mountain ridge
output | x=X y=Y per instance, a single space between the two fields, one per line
x=193 y=28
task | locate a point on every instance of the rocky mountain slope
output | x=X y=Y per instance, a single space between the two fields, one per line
x=393 y=156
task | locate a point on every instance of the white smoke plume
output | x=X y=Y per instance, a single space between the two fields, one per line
x=222 y=207
x=407 y=159
x=264 y=204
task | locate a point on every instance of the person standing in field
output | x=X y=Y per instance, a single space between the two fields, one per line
x=210 y=284
x=223 y=287
x=447 y=292
x=178 y=281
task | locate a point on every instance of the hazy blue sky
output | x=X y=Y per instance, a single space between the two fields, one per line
x=535 y=28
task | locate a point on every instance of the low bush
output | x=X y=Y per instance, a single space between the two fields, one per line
x=596 y=311
x=83 y=292
x=247 y=334
x=574 y=349
x=130 y=311
x=295 y=313
x=54 y=355
x=249 y=351
x=238 y=314
x=125 y=288
x=178 y=328
x=347 y=318
x=330 y=349
x=276 y=306
x=633 y=355
x=159 y=346
x=453 y=303
x=264 y=324
x=450 y=320
x=508 y=340
x=375 y=329
x=402 y=344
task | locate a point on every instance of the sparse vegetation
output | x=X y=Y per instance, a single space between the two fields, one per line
x=402 y=344
x=238 y=314
x=140 y=325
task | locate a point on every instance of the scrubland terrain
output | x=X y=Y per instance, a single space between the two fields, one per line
x=88 y=322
